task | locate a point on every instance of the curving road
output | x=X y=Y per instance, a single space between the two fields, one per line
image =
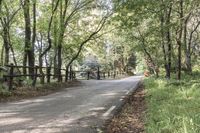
x=81 y=109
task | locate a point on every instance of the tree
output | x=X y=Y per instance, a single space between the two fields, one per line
x=28 y=47
x=169 y=30
x=6 y=22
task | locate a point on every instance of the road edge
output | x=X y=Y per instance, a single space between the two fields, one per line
x=120 y=105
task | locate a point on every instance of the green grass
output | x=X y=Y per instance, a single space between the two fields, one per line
x=173 y=106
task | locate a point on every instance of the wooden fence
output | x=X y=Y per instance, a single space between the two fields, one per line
x=47 y=74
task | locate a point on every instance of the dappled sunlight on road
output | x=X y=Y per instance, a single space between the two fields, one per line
x=12 y=120
x=29 y=101
x=78 y=110
x=110 y=94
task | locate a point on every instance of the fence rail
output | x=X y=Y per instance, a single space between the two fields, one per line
x=39 y=72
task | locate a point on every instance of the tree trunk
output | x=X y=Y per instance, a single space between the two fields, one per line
x=0 y=3
x=6 y=45
x=187 y=46
x=40 y=69
x=188 y=62
x=60 y=41
x=55 y=63
x=179 y=42
x=25 y=62
x=34 y=31
x=29 y=50
x=163 y=43
x=59 y=63
x=185 y=40
x=40 y=48
x=168 y=38
x=2 y=55
x=188 y=49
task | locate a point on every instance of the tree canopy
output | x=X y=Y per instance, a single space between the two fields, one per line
x=59 y=33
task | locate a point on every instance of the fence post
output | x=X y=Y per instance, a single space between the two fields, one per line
x=59 y=73
x=114 y=74
x=35 y=76
x=61 y=76
x=66 y=74
x=11 y=77
x=88 y=75
x=70 y=73
x=74 y=75
x=98 y=74
x=48 y=74
x=42 y=75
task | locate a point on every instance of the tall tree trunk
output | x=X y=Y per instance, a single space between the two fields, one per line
x=55 y=63
x=60 y=41
x=59 y=63
x=28 y=45
x=25 y=62
x=162 y=20
x=188 y=49
x=2 y=55
x=34 y=30
x=0 y=3
x=168 y=38
x=40 y=43
x=40 y=69
x=6 y=45
x=179 y=40
x=187 y=55
x=59 y=55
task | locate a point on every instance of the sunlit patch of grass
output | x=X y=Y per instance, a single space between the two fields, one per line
x=173 y=106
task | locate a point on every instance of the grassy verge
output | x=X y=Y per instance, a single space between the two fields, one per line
x=173 y=106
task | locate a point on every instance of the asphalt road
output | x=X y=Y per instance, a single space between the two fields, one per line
x=82 y=109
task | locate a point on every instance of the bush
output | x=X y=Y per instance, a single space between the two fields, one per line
x=4 y=90
x=27 y=82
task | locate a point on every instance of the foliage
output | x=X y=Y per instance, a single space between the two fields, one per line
x=173 y=106
x=164 y=32
x=27 y=82
x=4 y=90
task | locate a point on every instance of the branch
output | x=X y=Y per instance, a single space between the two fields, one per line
x=98 y=29
x=75 y=11
x=49 y=29
x=191 y=34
